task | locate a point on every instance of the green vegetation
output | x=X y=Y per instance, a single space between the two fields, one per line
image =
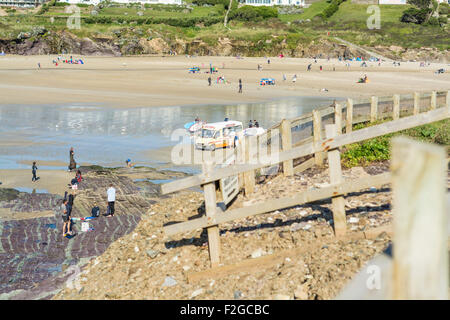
x=378 y=149
x=254 y=14
x=262 y=28
x=331 y=9
x=425 y=12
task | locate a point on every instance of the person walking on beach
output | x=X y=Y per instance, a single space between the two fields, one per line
x=66 y=218
x=209 y=81
x=33 y=171
x=111 y=192
x=240 y=86
x=294 y=78
x=39 y=65
x=72 y=164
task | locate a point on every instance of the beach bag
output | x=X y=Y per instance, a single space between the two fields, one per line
x=95 y=212
x=84 y=226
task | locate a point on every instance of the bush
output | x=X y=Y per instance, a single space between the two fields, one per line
x=225 y=3
x=61 y=4
x=442 y=20
x=175 y=22
x=331 y=9
x=414 y=15
x=444 y=8
x=250 y=13
x=433 y=21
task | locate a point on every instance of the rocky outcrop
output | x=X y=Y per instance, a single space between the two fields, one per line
x=128 y=41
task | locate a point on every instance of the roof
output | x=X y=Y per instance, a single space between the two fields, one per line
x=222 y=124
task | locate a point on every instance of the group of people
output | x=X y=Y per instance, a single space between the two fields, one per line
x=67 y=202
x=253 y=123
x=59 y=60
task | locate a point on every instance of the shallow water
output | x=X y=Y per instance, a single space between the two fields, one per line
x=108 y=136
x=31 y=190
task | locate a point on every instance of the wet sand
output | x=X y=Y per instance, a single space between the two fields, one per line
x=54 y=181
x=165 y=81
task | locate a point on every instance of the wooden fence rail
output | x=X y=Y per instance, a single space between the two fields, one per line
x=417 y=267
x=313 y=145
x=312 y=148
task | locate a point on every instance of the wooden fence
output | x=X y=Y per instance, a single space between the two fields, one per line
x=295 y=144
x=418 y=265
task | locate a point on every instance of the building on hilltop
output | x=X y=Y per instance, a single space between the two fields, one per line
x=21 y=3
x=95 y=2
x=389 y=1
x=300 y=3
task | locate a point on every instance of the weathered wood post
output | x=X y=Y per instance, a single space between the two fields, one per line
x=249 y=176
x=374 y=109
x=286 y=144
x=338 y=203
x=349 y=123
x=317 y=135
x=419 y=172
x=416 y=109
x=447 y=100
x=209 y=190
x=433 y=100
x=338 y=117
x=396 y=107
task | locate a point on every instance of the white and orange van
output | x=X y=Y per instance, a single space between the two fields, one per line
x=219 y=135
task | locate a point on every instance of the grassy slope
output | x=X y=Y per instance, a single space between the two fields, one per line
x=378 y=149
x=349 y=23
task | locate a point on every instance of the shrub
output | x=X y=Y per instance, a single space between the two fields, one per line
x=444 y=8
x=250 y=13
x=225 y=3
x=331 y=9
x=442 y=20
x=414 y=15
x=61 y=4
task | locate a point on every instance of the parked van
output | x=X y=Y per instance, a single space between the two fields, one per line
x=219 y=135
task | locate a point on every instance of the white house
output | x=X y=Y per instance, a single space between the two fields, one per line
x=300 y=3
x=404 y=1
x=391 y=1
x=20 y=3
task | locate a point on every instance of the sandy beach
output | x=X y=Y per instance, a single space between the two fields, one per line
x=53 y=181
x=165 y=81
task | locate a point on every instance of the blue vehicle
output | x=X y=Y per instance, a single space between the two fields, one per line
x=267 y=81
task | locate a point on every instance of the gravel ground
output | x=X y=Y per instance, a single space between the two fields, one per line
x=146 y=264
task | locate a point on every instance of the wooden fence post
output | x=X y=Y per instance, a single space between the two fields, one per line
x=349 y=123
x=338 y=203
x=374 y=109
x=416 y=109
x=396 y=107
x=249 y=176
x=317 y=135
x=338 y=117
x=447 y=100
x=433 y=100
x=286 y=144
x=210 y=208
x=420 y=250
